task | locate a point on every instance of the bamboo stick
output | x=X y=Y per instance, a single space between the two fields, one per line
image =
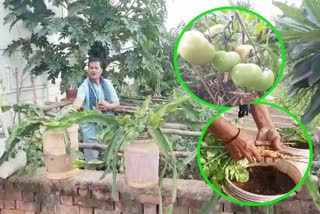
x=181 y=132
x=102 y=147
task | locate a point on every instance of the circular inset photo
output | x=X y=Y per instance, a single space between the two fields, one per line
x=229 y=56
x=255 y=154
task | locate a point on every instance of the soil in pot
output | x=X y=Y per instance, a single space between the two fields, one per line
x=266 y=180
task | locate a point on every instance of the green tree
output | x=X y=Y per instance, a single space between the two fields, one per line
x=100 y=28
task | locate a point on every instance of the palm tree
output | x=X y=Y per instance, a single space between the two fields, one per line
x=300 y=30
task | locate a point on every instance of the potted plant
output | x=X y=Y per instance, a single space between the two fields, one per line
x=141 y=140
x=62 y=130
x=70 y=84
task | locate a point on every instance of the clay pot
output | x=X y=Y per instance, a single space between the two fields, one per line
x=71 y=94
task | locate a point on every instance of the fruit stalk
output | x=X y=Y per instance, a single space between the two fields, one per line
x=246 y=33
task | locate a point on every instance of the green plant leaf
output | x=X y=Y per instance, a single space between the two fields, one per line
x=67 y=141
x=164 y=145
x=294 y=14
x=313 y=189
x=190 y=158
x=313 y=110
x=313 y=7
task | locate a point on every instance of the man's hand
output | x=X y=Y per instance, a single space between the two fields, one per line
x=104 y=105
x=243 y=147
x=271 y=135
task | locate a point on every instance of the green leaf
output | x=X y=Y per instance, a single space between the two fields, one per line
x=313 y=190
x=79 y=163
x=314 y=77
x=190 y=158
x=313 y=109
x=260 y=27
x=211 y=205
x=313 y=7
x=164 y=144
x=67 y=141
x=269 y=209
x=294 y=14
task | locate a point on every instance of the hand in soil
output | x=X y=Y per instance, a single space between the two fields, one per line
x=243 y=147
x=271 y=135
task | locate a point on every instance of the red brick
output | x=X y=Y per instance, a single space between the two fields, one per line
x=116 y=197
x=84 y=193
x=66 y=200
x=88 y=202
x=189 y=202
x=177 y=210
x=149 y=209
x=27 y=186
x=129 y=206
x=62 y=209
x=12 y=212
x=194 y=211
x=84 y=210
x=9 y=204
x=11 y=193
x=30 y=213
x=28 y=196
x=28 y=206
x=101 y=195
x=2 y=195
x=48 y=202
x=118 y=206
x=98 y=211
x=149 y=199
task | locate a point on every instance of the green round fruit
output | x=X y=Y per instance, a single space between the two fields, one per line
x=225 y=61
x=195 y=48
x=214 y=30
x=246 y=75
x=251 y=76
x=266 y=81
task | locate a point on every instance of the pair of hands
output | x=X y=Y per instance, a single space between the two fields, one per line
x=244 y=145
x=103 y=105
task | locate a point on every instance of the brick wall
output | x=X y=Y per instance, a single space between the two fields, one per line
x=87 y=194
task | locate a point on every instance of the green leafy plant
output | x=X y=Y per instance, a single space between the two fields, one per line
x=300 y=29
x=217 y=163
x=34 y=119
x=292 y=134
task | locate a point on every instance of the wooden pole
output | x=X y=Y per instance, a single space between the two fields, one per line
x=102 y=147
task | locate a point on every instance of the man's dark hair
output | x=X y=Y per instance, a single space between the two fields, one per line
x=95 y=59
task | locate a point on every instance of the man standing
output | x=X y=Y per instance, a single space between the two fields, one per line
x=95 y=93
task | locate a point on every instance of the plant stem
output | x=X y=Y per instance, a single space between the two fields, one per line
x=204 y=83
x=215 y=158
x=269 y=209
x=247 y=34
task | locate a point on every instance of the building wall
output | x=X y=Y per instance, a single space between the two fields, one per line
x=11 y=68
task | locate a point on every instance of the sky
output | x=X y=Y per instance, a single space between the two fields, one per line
x=186 y=10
